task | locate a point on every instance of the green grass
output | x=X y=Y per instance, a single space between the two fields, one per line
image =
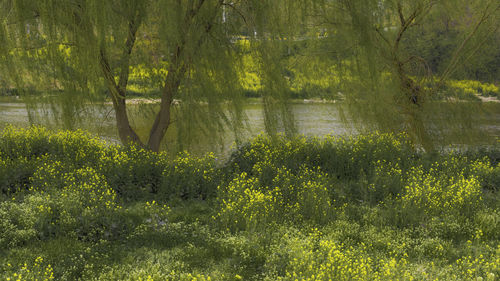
x=362 y=208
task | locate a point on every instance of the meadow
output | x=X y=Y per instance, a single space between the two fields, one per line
x=367 y=207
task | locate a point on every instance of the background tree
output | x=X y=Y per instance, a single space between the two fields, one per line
x=388 y=81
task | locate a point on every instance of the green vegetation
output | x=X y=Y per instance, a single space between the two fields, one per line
x=400 y=56
x=370 y=207
x=88 y=49
x=473 y=88
x=388 y=60
x=382 y=206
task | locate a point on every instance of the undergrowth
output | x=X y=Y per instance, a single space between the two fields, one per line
x=368 y=207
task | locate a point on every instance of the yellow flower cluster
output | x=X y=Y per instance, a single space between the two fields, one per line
x=36 y=272
x=246 y=204
x=316 y=258
x=425 y=191
x=479 y=267
x=473 y=87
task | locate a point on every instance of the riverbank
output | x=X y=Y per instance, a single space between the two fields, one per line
x=369 y=207
x=466 y=90
x=311 y=119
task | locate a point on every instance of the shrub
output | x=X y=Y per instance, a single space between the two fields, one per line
x=37 y=270
x=488 y=175
x=85 y=207
x=22 y=151
x=344 y=158
x=312 y=257
x=132 y=171
x=27 y=155
x=465 y=88
x=482 y=267
x=17 y=223
x=434 y=193
x=487 y=223
x=15 y=173
x=244 y=204
x=359 y=208
x=306 y=196
x=190 y=177
x=24 y=143
x=74 y=147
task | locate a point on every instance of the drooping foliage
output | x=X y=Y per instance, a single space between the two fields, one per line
x=386 y=76
x=193 y=55
x=189 y=52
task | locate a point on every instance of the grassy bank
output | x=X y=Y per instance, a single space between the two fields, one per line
x=324 y=89
x=363 y=208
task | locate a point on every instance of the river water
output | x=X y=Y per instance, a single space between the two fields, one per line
x=312 y=119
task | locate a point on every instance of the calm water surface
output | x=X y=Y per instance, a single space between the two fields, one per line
x=312 y=119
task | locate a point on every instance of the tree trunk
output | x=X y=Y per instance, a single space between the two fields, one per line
x=117 y=91
x=176 y=73
x=161 y=124
x=125 y=132
x=163 y=118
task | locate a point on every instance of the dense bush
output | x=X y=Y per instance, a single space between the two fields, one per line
x=247 y=203
x=473 y=88
x=315 y=256
x=190 y=177
x=83 y=205
x=344 y=158
x=130 y=171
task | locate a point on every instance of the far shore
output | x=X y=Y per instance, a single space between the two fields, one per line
x=145 y=100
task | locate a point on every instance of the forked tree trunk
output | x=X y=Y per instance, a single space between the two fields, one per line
x=175 y=75
x=413 y=91
x=118 y=91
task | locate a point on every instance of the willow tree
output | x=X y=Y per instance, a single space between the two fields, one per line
x=386 y=83
x=188 y=49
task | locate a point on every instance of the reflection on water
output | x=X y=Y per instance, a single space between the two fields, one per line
x=312 y=119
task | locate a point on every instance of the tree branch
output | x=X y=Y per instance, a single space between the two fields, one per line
x=230 y=5
x=109 y=76
x=129 y=45
x=456 y=54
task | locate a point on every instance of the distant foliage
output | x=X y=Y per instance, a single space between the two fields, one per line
x=469 y=90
